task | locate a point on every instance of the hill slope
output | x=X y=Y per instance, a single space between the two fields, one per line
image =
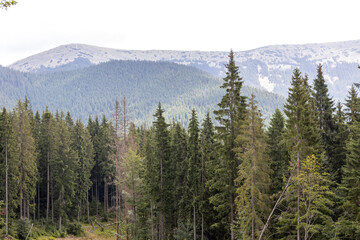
x=93 y=90
x=269 y=67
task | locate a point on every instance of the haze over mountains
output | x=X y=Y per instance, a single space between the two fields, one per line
x=93 y=90
x=269 y=68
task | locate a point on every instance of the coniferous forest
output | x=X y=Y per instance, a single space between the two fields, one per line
x=226 y=176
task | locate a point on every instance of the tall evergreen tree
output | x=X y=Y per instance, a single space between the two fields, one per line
x=194 y=169
x=324 y=107
x=9 y=162
x=350 y=187
x=302 y=136
x=208 y=167
x=352 y=104
x=253 y=179
x=162 y=157
x=231 y=112
x=277 y=152
x=64 y=168
x=179 y=152
x=27 y=158
x=84 y=150
x=47 y=152
x=339 y=145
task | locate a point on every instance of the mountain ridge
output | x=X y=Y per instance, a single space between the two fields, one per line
x=268 y=67
x=93 y=90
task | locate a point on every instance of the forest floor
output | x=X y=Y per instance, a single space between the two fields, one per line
x=94 y=232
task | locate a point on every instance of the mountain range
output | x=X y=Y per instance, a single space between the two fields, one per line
x=269 y=68
x=93 y=90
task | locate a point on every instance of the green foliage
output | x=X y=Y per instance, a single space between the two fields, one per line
x=253 y=180
x=277 y=152
x=23 y=228
x=7 y=3
x=75 y=229
x=179 y=88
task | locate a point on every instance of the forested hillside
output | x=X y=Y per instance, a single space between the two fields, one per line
x=297 y=179
x=93 y=90
x=268 y=67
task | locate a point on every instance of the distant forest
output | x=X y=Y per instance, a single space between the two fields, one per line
x=93 y=90
x=227 y=178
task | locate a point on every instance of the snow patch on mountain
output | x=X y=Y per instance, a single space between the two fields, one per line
x=265 y=83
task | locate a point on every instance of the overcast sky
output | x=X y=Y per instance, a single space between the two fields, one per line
x=33 y=26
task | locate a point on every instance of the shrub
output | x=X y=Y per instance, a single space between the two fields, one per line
x=75 y=229
x=23 y=228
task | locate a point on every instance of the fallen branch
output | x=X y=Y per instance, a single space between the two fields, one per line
x=274 y=208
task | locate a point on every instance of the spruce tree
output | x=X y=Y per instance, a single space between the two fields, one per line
x=194 y=169
x=83 y=148
x=302 y=137
x=9 y=162
x=47 y=152
x=27 y=158
x=162 y=158
x=229 y=116
x=277 y=152
x=253 y=179
x=339 y=145
x=324 y=107
x=179 y=152
x=208 y=167
x=350 y=187
x=64 y=168
x=352 y=104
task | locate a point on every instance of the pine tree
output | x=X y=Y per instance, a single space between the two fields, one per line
x=350 y=187
x=9 y=166
x=47 y=152
x=316 y=200
x=82 y=145
x=179 y=152
x=229 y=115
x=27 y=158
x=162 y=157
x=106 y=164
x=302 y=137
x=324 y=107
x=339 y=145
x=277 y=152
x=194 y=168
x=64 y=168
x=352 y=105
x=208 y=167
x=253 y=179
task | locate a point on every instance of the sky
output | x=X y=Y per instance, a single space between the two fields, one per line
x=33 y=26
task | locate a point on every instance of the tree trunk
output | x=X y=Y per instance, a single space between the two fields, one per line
x=106 y=201
x=21 y=189
x=134 y=203
x=38 y=201
x=194 y=219
x=152 y=220
x=275 y=206
x=48 y=188
x=97 y=196
x=60 y=210
x=52 y=201
x=232 y=217
x=6 y=191
x=202 y=226
x=298 y=197
x=87 y=206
